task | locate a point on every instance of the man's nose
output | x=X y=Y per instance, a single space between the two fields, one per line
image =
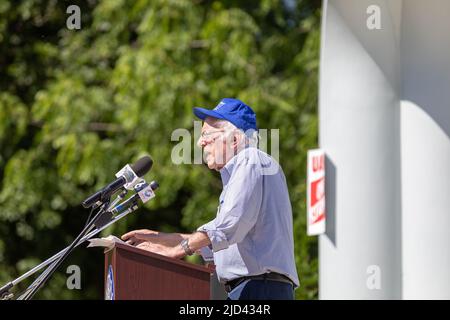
x=201 y=142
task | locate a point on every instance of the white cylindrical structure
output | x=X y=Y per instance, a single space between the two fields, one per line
x=359 y=131
x=384 y=110
x=425 y=136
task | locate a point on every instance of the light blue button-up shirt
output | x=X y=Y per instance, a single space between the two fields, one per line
x=252 y=232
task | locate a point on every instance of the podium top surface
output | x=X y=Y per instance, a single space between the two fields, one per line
x=153 y=255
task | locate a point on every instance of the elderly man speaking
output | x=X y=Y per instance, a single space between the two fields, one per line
x=251 y=236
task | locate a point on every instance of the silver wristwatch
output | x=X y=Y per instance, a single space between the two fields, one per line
x=185 y=245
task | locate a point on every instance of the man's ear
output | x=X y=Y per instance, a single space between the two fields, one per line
x=236 y=141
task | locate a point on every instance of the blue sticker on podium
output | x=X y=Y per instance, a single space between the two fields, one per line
x=109 y=290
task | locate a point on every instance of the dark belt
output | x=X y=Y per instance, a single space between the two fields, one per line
x=230 y=285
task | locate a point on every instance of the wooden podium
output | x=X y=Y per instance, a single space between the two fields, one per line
x=135 y=274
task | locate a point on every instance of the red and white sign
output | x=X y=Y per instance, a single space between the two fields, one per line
x=315 y=212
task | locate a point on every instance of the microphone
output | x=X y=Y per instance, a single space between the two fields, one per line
x=144 y=192
x=125 y=177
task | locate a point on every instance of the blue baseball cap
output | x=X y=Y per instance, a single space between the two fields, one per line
x=232 y=110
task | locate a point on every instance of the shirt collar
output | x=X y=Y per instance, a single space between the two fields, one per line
x=228 y=168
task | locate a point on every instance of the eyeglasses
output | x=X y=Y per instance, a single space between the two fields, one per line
x=208 y=134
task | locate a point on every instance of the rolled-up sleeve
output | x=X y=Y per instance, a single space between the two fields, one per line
x=240 y=208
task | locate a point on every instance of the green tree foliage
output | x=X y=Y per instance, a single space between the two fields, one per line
x=76 y=105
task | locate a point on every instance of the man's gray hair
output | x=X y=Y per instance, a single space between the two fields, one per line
x=250 y=137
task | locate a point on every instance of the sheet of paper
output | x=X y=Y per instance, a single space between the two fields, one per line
x=107 y=242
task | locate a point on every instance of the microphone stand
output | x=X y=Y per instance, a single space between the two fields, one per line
x=51 y=269
x=57 y=259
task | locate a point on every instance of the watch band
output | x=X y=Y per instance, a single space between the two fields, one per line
x=185 y=245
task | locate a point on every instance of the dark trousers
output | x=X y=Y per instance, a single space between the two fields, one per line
x=262 y=290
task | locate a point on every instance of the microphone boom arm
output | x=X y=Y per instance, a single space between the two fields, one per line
x=4 y=290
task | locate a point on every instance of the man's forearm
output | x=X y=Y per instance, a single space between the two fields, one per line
x=196 y=241
x=170 y=239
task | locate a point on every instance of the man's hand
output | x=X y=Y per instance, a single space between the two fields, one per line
x=166 y=244
x=138 y=237
x=171 y=252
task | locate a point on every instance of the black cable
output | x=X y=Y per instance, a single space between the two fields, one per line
x=45 y=272
x=52 y=268
x=89 y=217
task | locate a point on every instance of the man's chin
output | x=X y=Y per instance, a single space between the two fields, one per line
x=211 y=165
